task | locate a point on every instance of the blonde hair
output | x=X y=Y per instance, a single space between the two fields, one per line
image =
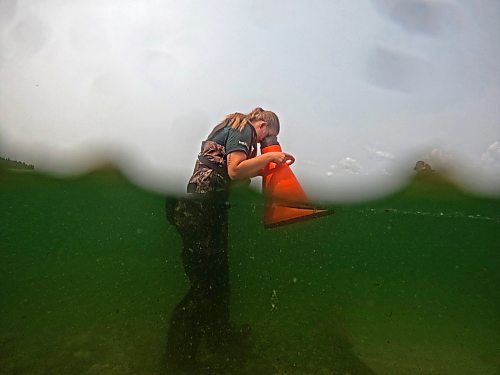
x=238 y=120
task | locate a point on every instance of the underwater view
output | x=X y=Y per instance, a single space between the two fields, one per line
x=90 y=272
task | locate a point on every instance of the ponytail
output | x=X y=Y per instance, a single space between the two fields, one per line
x=236 y=120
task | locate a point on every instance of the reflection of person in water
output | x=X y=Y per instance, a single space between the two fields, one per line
x=229 y=153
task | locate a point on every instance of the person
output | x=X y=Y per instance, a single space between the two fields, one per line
x=228 y=154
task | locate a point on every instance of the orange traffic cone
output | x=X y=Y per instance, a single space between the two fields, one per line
x=286 y=201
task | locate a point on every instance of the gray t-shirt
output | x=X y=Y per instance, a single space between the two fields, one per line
x=235 y=140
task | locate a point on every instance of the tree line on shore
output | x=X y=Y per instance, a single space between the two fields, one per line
x=6 y=163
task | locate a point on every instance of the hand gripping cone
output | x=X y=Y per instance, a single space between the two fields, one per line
x=286 y=201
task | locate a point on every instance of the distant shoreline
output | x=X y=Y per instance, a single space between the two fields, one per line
x=8 y=164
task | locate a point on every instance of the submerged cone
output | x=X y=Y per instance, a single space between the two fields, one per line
x=286 y=201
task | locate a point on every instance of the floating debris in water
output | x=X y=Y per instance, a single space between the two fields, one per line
x=274 y=300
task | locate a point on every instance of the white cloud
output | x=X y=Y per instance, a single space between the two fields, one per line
x=379 y=154
x=349 y=165
x=491 y=157
x=440 y=158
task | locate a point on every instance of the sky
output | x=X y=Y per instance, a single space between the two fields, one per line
x=363 y=89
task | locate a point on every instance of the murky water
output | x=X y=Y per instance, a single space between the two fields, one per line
x=90 y=271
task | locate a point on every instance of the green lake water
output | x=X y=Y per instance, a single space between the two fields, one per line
x=90 y=272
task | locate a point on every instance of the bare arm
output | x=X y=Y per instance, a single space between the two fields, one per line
x=239 y=167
